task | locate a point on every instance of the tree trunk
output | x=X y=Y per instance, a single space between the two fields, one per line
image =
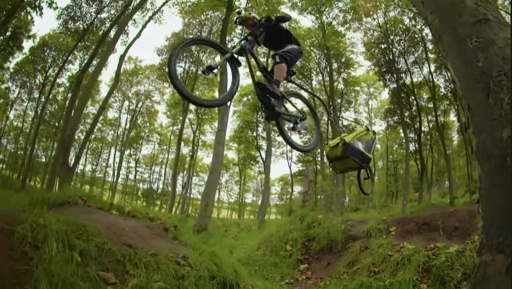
x=440 y=130
x=307 y=187
x=177 y=156
x=167 y=158
x=208 y=197
x=462 y=118
x=387 y=166
x=127 y=131
x=107 y=163
x=42 y=111
x=84 y=168
x=113 y=86
x=241 y=191
x=475 y=39
x=405 y=132
x=289 y=161
x=419 y=133
x=265 y=197
x=94 y=171
x=219 y=200
x=36 y=121
x=407 y=164
x=61 y=157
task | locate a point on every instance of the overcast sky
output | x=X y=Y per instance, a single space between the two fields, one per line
x=152 y=37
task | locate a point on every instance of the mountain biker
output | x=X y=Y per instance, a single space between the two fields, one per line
x=287 y=49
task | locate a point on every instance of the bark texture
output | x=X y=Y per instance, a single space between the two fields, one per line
x=475 y=39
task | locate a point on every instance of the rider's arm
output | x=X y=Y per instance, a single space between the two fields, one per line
x=283 y=18
x=278 y=19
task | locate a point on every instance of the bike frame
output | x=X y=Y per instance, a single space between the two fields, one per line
x=262 y=68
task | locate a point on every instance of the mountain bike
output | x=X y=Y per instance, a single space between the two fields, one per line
x=282 y=112
x=288 y=112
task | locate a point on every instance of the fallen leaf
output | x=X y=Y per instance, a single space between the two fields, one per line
x=453 y=249
x=130 y=269
x=76 y=257
x=108 y=278
x=303 y=267
x=407 y=245
x=374 y=271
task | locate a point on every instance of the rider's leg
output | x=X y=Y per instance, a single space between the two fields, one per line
x=280 y=70
x=280 y=67
x=283 y=60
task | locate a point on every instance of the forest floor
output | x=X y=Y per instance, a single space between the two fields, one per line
x=28 y=242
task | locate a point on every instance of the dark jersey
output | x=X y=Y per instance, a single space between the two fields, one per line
x=276 y=37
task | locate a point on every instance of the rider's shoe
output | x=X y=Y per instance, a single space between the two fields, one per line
x=271 y=116
x=274 y=88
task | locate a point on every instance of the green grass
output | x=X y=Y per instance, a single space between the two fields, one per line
x=232 y=254
x=387 y=265
x=69 y=254
x=413 y=208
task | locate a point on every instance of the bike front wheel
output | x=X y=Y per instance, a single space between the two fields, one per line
x=299 y=125
x=193 y=75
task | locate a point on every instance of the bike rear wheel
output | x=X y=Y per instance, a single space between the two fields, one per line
x=366 y=180
x=312 y=123
x=192 y=76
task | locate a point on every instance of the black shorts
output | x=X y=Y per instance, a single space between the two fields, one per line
x=290 y=55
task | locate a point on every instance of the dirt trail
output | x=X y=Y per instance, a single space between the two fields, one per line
x=127 y=231
x=13 y=265
x=438 y=225
x=449 y=226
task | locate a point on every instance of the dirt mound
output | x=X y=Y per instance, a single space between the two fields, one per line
x=13 y=267
x=316 y=266
x=439 y=225
x=450 y=226
x=127 y=231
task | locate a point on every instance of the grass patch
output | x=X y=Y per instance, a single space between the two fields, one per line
x=375 y=228
x=69 y=254
x=384 y=264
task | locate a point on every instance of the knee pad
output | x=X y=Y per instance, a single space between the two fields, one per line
x=278 y=59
